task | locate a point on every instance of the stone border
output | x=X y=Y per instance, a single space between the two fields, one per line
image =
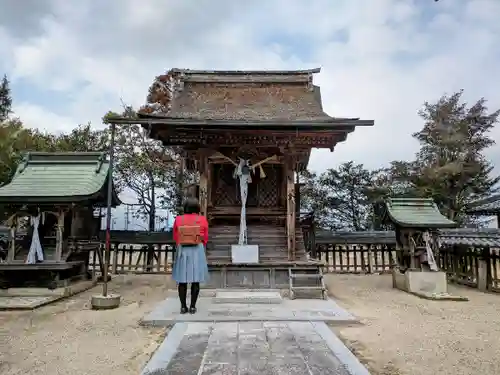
x=341 y=351
x=166 y=350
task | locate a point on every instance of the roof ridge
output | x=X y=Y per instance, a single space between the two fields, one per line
x=245 y=72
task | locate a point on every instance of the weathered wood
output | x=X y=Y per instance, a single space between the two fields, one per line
x=203 y=184
x=59 y=235
x=12 y=248
x=290 y=223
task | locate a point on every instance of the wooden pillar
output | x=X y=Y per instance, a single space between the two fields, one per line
x=12 y=248
x=204 y=183
x=59 y=235
x=210 y=181
x=290 y=209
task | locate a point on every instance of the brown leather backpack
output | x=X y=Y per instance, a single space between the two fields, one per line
x=190 y=234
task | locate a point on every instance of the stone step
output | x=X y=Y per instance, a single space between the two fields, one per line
x=307 y=276
x=248 y=297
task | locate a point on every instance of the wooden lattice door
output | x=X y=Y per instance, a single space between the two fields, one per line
x=269 y=187
x=225 y=190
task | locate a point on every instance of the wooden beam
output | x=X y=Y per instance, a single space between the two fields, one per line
x=203 y=184
x=12 y=249
x=59 y=234
x=290 y=209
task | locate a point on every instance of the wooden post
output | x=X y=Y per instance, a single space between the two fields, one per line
x=59 y=235
x=210 y=167
x=12 y=249
x=290 y=210
x=204 y=183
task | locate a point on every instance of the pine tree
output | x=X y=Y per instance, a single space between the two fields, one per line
x=5 y=99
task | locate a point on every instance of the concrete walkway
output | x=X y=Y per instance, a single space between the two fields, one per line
x=289 y=338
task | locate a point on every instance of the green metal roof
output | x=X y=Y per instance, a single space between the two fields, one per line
x=59 y=178
x=416 y=213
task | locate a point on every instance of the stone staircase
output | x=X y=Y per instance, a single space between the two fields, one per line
x=270 y=238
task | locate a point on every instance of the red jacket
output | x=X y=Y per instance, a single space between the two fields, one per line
x=191 y=219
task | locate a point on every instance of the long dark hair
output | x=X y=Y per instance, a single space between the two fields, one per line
x=191 y=206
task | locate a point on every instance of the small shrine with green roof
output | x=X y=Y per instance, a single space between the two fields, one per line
x=417 y=222
x=56 y=195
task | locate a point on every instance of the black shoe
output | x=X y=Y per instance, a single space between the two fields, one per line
x=184 y=310
x=192 y=310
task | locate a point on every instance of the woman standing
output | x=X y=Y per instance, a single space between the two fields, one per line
x=190 y=266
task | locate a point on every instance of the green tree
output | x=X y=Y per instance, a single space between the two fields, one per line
x=339 y=197
x=5 y=99
x=451 y=167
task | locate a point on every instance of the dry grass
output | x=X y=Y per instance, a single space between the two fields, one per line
x=69 y=338
x=403 y=334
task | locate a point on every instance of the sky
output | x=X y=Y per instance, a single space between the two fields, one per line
x=70 y=62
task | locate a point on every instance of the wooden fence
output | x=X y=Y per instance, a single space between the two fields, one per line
x=358 y=253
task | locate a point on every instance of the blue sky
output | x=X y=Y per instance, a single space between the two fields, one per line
x=71 y=62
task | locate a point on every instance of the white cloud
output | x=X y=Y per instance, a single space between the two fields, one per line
x=397 y=55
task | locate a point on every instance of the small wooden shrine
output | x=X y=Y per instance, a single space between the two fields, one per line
x=54 y=195
x=247 y=134
x=417 y=222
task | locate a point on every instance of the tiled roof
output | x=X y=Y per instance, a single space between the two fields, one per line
x=488 y=206
x=416 y=212
x=58 y=177
x=247 y=95
x=483 y=237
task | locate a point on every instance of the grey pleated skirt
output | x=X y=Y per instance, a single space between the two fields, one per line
x=190 y=265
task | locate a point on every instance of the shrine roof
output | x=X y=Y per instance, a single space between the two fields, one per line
x=486 y=207
x=416 y=213
x=276 y=96
x=50 y=178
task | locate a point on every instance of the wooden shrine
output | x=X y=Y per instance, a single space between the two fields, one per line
x=417 y=222
x=260 y=125
x=54 y=196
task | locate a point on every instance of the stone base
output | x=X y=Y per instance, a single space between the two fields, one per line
x=100 y=302
x=245 y=254
x=32 y=298
x=424 y=284
x=248 y=297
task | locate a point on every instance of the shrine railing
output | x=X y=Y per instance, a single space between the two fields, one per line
x=136 y=252
x=355 y=252
x=460 y=254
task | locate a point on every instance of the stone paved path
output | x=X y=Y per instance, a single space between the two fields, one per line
x=244 y=348
x=167 y=312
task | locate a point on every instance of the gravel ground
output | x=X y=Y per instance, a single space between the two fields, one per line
x=403 y=334
x=69 y=338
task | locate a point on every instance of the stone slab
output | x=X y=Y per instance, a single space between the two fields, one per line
x=245 y=254
x=439 y=296
x=66 y=291
x=25 y=303
x=27 y=299
x=260 y=297
x=268 y=348
x=167 y=313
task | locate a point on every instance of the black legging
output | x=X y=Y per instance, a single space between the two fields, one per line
x=195 y=292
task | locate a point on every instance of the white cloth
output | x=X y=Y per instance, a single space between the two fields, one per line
x=243 y=174
x=36 y=251
x=430 y=254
